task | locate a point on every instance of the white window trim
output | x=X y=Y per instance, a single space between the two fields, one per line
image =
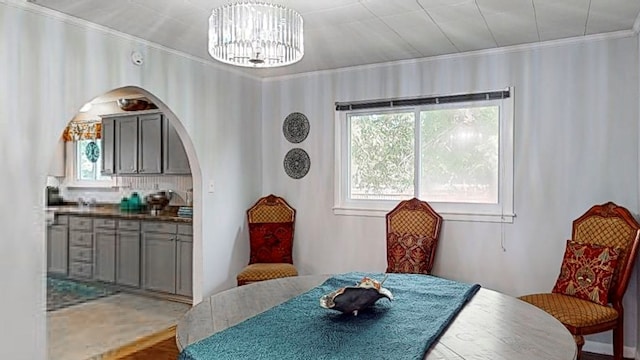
x=502 y=212
x=71 y=181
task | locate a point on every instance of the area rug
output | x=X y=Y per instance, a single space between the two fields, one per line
x=404 y=328
x=62 y=293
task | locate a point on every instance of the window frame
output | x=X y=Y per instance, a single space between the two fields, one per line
x=71 y=169
x=503 y=211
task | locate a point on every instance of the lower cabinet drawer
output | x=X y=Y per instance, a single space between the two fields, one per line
x=78 y=269
x=80 y=238
x=81 y=254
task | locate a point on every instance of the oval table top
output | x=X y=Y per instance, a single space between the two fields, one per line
x=492 y=326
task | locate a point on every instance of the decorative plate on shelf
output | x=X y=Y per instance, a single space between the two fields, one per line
x=297 y=163
x=295 y=127
x=92 y=151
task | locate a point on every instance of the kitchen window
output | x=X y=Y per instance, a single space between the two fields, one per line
x=84 y=164
x=456 y=152
x=88 y=161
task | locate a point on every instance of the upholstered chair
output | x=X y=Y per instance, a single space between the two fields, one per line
x=413 y=229
x=271 y=224
x=595 y=272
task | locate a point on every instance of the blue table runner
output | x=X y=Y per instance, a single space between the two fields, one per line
x=404 y=328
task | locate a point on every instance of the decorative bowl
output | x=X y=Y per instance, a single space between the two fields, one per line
x=351 y=299
x=133 y=104
x=158 y=201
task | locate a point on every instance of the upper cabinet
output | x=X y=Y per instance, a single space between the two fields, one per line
x=174 y=157
x=108 y=146
x=126 y=145
x=143 y=144
x=150 y=144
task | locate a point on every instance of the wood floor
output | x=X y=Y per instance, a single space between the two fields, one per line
x=590 y=356
x=162 y=346
x=159 y=346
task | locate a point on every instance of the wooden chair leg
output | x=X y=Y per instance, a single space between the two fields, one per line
x=579 y=339
x=618 y=341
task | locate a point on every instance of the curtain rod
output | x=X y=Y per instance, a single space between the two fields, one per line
x=371 y=104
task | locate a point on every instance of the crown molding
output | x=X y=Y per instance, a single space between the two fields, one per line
x=484 y=52
x=28 y=5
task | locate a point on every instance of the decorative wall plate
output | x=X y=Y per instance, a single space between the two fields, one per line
x=295 y=127
x=297 y=163
x=92 y=151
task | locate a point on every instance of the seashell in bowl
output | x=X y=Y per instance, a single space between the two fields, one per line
x=351 y=299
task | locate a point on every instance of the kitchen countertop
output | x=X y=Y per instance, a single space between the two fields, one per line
x=113 y=211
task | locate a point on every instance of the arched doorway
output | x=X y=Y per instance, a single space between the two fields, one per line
x=106 y=104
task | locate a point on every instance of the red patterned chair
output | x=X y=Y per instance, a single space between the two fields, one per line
x=413 y=228
x=595 y=271
x=271 y=224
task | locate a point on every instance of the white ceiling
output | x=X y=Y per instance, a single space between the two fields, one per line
x=341 y=33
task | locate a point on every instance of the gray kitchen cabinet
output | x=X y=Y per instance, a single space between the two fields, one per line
x=108 y=146
x=104 y=264
x=138 y=144
x=159 y=262
x=184 y=264
x=80 y=247
x=142 y=144
x=58 y=246
x=167 y=257
x=128 y=253
x=174 y=156
x=150 y=144
x=126 y=149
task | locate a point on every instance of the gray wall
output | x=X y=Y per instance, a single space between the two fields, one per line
x=576 y=128
x=49 y=68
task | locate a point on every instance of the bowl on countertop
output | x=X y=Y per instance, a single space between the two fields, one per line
x=158 y=201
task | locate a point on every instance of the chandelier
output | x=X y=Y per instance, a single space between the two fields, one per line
x=256 y=34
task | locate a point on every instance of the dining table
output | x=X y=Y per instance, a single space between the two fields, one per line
x=491 y=326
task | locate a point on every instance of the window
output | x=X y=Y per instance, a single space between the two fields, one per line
x=455 y=152
x=88 y=161
x=85 y=169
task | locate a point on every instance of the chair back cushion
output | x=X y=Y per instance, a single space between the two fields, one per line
x=612 y=226
x=413 y=228
x=587 y=271
x=271 y=227
x=409 y=253
x=271 y=242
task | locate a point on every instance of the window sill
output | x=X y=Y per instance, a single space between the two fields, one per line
x=107 y=185
x=365 y=212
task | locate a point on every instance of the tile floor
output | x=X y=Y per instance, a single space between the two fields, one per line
x=88 y=330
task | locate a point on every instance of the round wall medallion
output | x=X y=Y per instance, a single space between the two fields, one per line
x=295 y=127
x=92 y=151
x=297 y=163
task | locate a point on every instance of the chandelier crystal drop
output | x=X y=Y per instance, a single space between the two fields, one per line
x=256 y=34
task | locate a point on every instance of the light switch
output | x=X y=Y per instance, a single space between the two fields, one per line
x=211 y=186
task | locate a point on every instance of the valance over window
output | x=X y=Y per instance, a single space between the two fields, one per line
x=82 y=130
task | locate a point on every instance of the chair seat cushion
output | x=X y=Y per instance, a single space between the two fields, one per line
x=571 y=310
x=261 y=272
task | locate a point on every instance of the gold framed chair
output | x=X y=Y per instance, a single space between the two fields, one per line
x=413 y=230
x=271 y=223
x=611 y=226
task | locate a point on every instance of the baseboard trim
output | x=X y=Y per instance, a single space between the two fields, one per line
x=140 y=344
x=607 y=349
